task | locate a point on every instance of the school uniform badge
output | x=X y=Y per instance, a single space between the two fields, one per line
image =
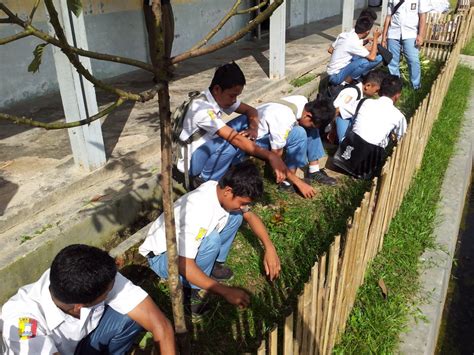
x=212 y=114
x=202 y=232
x=27 y=328
x=413 y=6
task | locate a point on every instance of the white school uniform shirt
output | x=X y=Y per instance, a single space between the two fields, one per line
x=197 y=214
x=438 y=6
x=377 y=119
x=346 y=98
x=346 y=46
x=33 y=324
x=404 y=23
x=277 y=120
x=203 y=113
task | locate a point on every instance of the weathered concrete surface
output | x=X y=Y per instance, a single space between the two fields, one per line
x=422 y=335
x=46 y=202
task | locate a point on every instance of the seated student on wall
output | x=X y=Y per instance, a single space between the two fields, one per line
x=82 y=305
x=291 y=126
x=207 y=220
x=349 y=58
x=214 y=144
x=362 y=151
x=368 y=87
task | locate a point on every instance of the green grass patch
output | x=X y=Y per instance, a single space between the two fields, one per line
x=469 y=49
x=302 y=80
x=375 y=323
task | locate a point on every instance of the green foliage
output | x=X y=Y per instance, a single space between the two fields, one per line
x=37 y=56
x=375 y=323
x=75 y=6
x=302 y=80
x=469 y=49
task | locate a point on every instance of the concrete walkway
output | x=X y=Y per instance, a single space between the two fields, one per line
x=47 y=203
x=422 y=336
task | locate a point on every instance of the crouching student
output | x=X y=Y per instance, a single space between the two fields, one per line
x=82 y=305
x=212 y=145
x=349 y=58
x=363 y=150
x=368 y=87
x=207 y=220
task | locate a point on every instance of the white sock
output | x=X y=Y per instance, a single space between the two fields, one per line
x=313 y=168
x=286 y=183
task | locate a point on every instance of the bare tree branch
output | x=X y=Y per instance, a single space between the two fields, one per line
x=216 y=29
x=82 y=52
x=61 y=125
x=74 y=59
x=7 y=11
x=230 y=39
x=14 y=37
x=252 y=9
x=33 y=10
x=5 y=20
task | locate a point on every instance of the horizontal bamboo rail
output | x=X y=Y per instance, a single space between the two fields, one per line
x=328 y=296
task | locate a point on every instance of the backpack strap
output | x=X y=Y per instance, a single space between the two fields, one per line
x=395 y=9
x=359 y=105
x=353 y=86
x=288 y=104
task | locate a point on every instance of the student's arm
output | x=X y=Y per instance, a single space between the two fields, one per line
x=193 y=274
x=252 y=116
x=251 y=148
x=271 y=261
x=386 y=25
x=373 y=50
x=421 y=29
x=330 y=49
x=149 y=316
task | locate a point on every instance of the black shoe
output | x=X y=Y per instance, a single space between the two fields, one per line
x=196 y=301
x=287 y=187
x=220 y=272
x=322 y=177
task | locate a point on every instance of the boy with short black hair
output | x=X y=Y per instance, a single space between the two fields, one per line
x=349 y=58
x=212 y=144
x=82 y=306
x=363 y=150
x=368 y=87
x=207 y=220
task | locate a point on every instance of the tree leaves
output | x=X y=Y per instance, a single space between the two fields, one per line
x=75 y=6
x=36 y=62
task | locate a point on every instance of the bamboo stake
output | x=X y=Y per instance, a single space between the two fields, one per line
x=306 y=315
x=314 y=309
x=299 y=323
x=321 y=299
x=273 y=342
x=288 y=336
x=262 y=349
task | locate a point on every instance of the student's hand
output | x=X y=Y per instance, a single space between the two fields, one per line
x=377 y=34
x=250 y=133
x=419 y=41
x=278 y=166
x=306 y=190
x=384 y=42
x=236 y=296
x=271 y=262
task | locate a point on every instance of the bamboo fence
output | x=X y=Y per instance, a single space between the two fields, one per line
x=329 y=294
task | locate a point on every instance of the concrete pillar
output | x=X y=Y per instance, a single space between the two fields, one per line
x=383 y=13
x=78 y=94
x=277 y=42
x=347 y=15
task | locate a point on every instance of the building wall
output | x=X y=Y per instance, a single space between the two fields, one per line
x=117 y=27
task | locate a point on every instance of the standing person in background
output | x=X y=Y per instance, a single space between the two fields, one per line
x=404 y=29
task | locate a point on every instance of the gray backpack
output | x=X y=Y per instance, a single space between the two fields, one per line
x=177 y=117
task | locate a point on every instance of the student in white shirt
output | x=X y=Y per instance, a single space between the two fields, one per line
x=405 y=30
x=214 y=144
x=207 y=220
x=368 y=87
x=362 y=151
x=82 y=306
x=349 y=58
